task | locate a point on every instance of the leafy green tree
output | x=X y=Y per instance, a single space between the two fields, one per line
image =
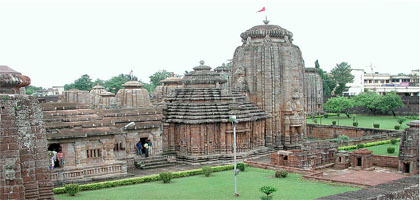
x=390 y=102
x=33 y=89
x=157 y=77
x=341 y=74
x=115 y=83
x=82 y=83
x=328 y=83
x=339 y=105
x=369 y=100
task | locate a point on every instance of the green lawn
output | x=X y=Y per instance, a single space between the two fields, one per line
x=365 y=121
x=381 y=149
x=218 y=186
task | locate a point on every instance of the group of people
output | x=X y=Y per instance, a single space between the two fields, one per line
x=146 y=147
x=56 y=159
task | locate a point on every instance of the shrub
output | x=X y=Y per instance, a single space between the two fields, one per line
x=376 y=125
x=71 y=189
x=400 y=120
x=397 y=127
x=359 y=146
x=325 y=115
x=393 y=141
x=355 y=124
x=240 y=166
x=166 y=177
x=390 y=150
x=267 y=190
x=334 y=122
x=315 y=120
x=207 y=171
x=281 y=174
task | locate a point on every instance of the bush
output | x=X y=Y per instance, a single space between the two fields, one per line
x=166 y=177
x=393 y=141
x=355 y=124
x=267 y=190
x=369 y=144
x=325 y=115
x=240 y=166
x=390 y=150
x=359 y=146
x=207 y=171
x=397 y=127
x=400 y=120
x=376 y=125
x=315 y=120
x=334 y=122
x=144 y=179
x=71 y=189
x=281 y=174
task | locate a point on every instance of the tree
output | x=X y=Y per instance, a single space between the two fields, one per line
x=328 y=83
x=82 y=83
x=157 y=77
x=341 y=74
x=33 y=89
x=115 y=83
x=339 y=105
x=390 y=102
x=369 y=100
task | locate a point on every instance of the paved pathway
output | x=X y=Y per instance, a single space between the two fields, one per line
x=370 y=178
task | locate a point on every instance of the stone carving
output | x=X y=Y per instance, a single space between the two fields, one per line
x=9 y=168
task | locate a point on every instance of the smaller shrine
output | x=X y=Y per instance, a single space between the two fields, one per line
x=408 y=158
x=196 y=122
x=133 y=95
x=361 y=159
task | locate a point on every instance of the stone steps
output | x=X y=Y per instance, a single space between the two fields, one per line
x=153 y=163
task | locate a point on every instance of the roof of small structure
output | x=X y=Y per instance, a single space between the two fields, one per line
x=202 y=75
x=413 y=123
x=261 y=31
x=172 y=79
x=224 y=67
x=362 y=151
x=132 y=84
x=98 y=87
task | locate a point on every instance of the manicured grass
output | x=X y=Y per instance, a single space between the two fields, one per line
x=381 y=149
x=365 y=121
x=218 y=186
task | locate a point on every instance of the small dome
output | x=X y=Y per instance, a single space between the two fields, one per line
x=202 y=67
x=171 y=79
x=132 y=84
x=261 y=31
x=98 y=87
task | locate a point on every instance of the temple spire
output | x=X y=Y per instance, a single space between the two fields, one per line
x=266 y=21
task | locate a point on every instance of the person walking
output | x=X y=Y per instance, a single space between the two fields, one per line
x=60 y=157
x=146 y=149
x=150 y=147
x=139 y=147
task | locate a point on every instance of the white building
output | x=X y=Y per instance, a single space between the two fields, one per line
x=357 y=86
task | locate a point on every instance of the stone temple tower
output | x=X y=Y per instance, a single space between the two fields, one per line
x=269 y=68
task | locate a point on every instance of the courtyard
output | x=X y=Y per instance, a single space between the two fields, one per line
x=219 y=186
x=364 y=121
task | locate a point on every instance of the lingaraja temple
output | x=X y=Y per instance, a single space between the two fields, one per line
x=269 y=68
x=196 y=126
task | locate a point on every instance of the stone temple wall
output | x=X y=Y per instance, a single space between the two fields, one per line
x=270 y=69
x=313 y=92
x=24 y=172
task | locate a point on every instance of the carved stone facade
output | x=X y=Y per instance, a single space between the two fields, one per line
x=98 y=143
x=312 y=155
x=361 y=159
x=196 y=118
x=313 y=92
x=225 y=71
x=24 y=172
x=269 y=68
x=408 y=158
x=133 y=95
x=167 y=88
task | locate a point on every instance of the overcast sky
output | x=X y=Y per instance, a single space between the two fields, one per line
x=55 y=42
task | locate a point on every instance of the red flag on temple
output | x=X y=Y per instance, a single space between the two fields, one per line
x=262 y=9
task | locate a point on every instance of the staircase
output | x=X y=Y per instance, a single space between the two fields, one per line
x=152 y=163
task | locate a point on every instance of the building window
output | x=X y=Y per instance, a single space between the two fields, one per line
x=119 y=147
x=93 y=153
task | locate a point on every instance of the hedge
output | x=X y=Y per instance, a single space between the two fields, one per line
x=369 y=144
x=144 y=179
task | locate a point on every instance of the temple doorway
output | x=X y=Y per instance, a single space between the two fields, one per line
x=143 y=141
x=406 y=167
x=359 y=162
